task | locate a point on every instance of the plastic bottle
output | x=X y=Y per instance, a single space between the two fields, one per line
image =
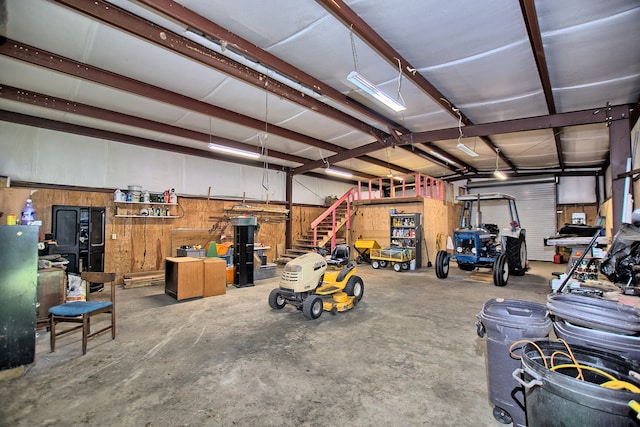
x=11 y=219
x=146 y=197
x=173 y=197
x=28 y=213
x=117 y=195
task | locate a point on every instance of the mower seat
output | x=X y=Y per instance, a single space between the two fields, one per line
x=340 y=256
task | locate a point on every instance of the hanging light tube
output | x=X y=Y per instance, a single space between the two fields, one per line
x=372 y=90
x=499 y=175
x=337 y=172
x=234 y=151
x=468 y=151
x=441 y=157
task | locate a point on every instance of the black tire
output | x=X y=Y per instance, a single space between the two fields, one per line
x=466 y=267
x=355 y=288
x=359 y=259
x=442 y=264
x=405 y=265
x=383 y=263
x=397 y=267
x=501 y=415
x=375 y=264
x=501 y=271
x=517 y=255
x=276 y=300
x=312 y=307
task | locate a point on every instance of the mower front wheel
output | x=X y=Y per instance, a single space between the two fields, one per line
x=312 y=307
x=276 y=300
x=355 y=288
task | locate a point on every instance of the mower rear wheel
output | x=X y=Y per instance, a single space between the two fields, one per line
x=501 y=271
x=312 y=307
x=375 y=264
x=355 y=288
x=276 y=300
x=442 y=264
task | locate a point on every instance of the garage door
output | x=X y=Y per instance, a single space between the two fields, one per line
x=537 y=209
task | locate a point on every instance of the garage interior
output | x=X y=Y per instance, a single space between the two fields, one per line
x=245 y=134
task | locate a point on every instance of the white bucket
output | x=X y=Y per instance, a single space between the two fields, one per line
x=412 y=265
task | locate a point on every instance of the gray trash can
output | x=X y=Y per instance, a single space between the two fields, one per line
x=506 y=321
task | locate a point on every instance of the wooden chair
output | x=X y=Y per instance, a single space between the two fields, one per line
x=82 y=311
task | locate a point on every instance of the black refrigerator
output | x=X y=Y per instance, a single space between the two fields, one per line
x=79 y=232
x=18 y=284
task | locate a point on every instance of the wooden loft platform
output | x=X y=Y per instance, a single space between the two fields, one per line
x=397 y=189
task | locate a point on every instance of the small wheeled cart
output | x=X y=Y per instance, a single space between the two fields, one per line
x=399 y=258
x=363 y=247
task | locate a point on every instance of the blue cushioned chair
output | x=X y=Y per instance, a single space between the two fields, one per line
x=81 y=311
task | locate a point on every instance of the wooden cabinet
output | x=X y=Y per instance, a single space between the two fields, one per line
x=52 y=289
x=215 y=276
x=184 y=277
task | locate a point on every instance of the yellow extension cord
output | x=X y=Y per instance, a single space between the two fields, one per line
x=612 y=383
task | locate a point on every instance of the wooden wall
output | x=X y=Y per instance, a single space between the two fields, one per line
x=142 y=244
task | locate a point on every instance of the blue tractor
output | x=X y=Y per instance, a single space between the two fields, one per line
x=479 y=244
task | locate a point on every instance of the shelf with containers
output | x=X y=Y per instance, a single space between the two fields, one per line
x=145 y=204
x=406 y=232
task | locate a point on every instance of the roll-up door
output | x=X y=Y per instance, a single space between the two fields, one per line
x=537 y=209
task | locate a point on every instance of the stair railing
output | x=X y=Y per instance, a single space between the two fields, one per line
x=331 y=210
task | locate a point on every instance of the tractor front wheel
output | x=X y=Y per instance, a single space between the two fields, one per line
x=312 y=307
x=442 y=264
x=501 y=271
x=517 y=255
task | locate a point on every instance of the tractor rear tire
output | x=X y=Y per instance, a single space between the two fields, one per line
x=442 y=264
x=276 y=300
x=312 y=307
x=501 y=271
x=355 y=288
x=517 y=255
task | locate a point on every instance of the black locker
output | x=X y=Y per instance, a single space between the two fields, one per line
x=243 y=253
x=80 y=235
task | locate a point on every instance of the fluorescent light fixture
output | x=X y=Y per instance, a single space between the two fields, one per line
x=499 y=175
x=372 y=90
x=234 y=151
x=468 y=151
x=336 y=172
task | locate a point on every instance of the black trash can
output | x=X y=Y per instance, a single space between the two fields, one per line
x=559 y=398
x=506 y=321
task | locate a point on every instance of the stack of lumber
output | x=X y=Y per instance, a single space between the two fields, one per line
x=145 y=278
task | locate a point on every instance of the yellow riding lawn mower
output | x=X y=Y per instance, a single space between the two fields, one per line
x=312 y=283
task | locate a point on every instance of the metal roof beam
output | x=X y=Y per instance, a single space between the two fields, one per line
x=530 y=16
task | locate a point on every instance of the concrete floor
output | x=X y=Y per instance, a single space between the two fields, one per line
x=407 y=355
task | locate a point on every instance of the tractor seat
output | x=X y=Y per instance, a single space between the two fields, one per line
x=340 y=256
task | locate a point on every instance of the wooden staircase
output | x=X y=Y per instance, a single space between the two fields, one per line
x=323 y=231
